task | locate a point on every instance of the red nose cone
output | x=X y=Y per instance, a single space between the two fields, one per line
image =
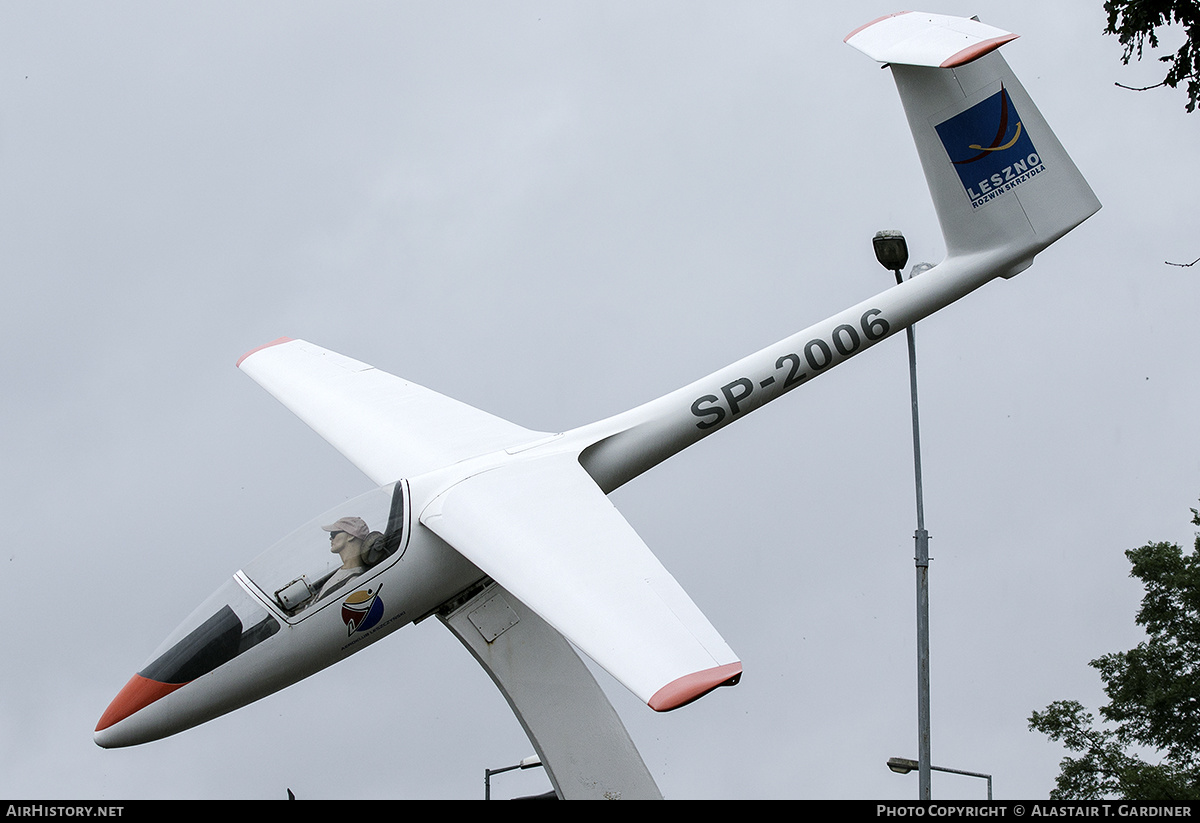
x=138 y=693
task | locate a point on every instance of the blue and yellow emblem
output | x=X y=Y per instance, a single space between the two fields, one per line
x=990 y=148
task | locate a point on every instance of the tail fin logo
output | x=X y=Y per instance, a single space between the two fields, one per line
x=990 y=149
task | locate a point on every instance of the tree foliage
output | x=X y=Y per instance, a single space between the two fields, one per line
x=1136 y=24
x=1153 y=692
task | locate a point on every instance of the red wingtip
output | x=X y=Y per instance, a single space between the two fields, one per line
x=694 y=686
x=978 y=50
x=263 y=346
x=873 y=22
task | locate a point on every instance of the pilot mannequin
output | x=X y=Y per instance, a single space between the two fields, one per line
x=346 y=539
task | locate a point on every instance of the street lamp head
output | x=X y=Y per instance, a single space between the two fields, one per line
x=891 y=250
x=902 y=765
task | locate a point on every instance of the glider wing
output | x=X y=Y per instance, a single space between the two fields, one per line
x=544 y=530
x=388 y=427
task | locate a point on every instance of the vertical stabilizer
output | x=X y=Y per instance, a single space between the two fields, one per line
x=999 y=178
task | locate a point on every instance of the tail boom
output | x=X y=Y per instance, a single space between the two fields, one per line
x=624 y=446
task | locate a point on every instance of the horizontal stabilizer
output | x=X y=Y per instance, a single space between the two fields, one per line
x=933 y=40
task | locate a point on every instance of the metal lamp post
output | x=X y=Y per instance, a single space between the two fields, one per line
x=892 y=252
x=533 y=761
x=902 y=765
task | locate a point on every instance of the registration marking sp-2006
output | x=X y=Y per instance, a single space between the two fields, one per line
x=817 y=355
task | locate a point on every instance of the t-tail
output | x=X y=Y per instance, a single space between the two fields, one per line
x=1003 y=187
x=1001 y=182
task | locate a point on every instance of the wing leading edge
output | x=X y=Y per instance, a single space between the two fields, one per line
x=544 y=530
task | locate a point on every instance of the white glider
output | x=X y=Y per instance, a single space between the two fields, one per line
x=466 y=498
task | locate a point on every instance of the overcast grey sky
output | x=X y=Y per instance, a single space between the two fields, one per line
x=555 y=211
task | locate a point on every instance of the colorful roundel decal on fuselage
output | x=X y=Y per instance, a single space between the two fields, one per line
x=361 y=611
